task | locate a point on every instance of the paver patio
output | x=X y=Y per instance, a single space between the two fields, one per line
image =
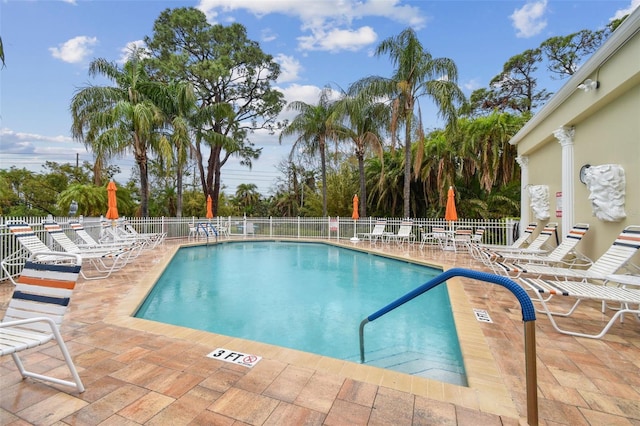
x=142 y=372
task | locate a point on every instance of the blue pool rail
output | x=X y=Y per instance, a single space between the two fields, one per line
x=207 y=227
x=528 y=317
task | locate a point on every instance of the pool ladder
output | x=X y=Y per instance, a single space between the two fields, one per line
x=528 y=316
x=206 y=228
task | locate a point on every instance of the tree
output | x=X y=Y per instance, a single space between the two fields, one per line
x=313 y=125
x=362 y=120
x=485 y=146
x=516 y=85
x=177 y=101
x=385 y=182
x=247 y=197
x=116 y=119
x=564 y=53
x=232 y=80
x=417 y=73
x=92 y=199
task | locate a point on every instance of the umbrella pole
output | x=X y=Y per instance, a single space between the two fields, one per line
x=355 y=238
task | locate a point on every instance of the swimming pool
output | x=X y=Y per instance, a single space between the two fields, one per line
x=311 y=297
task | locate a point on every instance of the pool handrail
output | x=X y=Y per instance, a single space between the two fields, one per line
x=204 y=226
x=528 y=317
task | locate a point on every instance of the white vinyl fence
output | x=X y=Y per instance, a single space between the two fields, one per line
x=497 y=231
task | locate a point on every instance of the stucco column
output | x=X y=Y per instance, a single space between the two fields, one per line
x=523 y=161
x=565 y=138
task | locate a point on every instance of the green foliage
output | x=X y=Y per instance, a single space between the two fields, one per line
x=342 y=185
x=247 y=198
x=148 y=111
x=92 y=200
x=313 y=127
x=27 y=193
x=416 y=74
x=232 y=78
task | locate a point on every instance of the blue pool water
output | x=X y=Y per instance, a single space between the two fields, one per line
x=311 y=297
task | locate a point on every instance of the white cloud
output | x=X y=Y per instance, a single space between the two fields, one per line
x=336 y=39
x=328 y=21
x=623 y=12
x=471 y=85
x=290 y=68
x=529 y=19
x=74 y=50
x=8 y=135
x=267 y=35
x=32 y=144
x=126 y=51
x=308 y=94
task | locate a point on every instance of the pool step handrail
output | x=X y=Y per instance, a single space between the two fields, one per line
x=205 y=226
x=528 y=317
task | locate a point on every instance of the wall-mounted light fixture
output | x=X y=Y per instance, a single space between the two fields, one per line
x=73 y=208
x=589 y=85
x=583 y=173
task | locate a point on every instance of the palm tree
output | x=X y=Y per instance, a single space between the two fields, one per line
x=438 y=168
x=313 y=127
x=247 y=196
x=362 y=120
x=177 y=100
x=384 y=179
x=116 y=119
x=486 y=143
x=417 y=73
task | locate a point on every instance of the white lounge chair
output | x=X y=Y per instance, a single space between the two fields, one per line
x=537 y=245
x=35 y=312
x=628 y=299
x=485 y=254
x=564 y=254
x=377 y=233
x=86 y=241
x=129 y=230
x=614 y=259
x=30 y=244
x=115 y=232
x=104 y=259
x=405 y=233
x=477 y=236
x=520 y=243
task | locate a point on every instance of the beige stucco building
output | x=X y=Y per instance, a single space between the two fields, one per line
x=594 y=119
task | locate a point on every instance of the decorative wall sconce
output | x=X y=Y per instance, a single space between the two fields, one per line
x=583 y=172
x=589 y=85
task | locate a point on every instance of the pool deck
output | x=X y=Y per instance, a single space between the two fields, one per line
x=141 y=372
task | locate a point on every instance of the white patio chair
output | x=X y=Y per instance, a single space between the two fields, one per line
x=36 y=310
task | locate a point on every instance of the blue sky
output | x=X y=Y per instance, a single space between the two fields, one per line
x=48 y=45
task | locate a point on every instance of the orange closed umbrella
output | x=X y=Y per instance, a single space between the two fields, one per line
x=112 y=201
x=209 y=208
x=450 y=213
x=355 y=214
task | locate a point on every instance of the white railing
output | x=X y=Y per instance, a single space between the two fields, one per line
x=497 y=231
